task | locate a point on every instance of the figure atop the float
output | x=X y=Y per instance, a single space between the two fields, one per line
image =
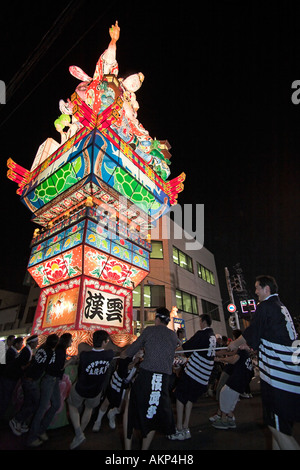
x=97 y=93
x=91 y=89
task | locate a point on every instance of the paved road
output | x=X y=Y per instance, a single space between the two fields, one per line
x=250 y=434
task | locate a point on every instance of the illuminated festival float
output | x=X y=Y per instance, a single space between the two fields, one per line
x=94 y=196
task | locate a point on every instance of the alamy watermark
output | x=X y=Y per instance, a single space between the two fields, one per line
x=296 y=94
x=188 y=224
x=2 y=92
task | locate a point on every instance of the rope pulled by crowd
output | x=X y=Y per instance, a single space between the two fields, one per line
x=198 y=350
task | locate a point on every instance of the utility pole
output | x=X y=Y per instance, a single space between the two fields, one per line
x=231 y=296
x=142 y=309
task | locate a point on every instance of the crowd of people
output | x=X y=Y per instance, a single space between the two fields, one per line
x=39 y=370
x=142 y=380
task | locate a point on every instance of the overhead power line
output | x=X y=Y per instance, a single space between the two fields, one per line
x=110 y=5
x=44 y=45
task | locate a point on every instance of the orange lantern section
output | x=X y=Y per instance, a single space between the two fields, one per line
x=84 y=304
x=87 y=272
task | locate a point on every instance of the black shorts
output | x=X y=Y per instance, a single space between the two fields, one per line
x=278 y=422
x=115 y=397
x=280 y=409
x=150 y=405
x=188 y=389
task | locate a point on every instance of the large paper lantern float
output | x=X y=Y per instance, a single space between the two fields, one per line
x=94 y=195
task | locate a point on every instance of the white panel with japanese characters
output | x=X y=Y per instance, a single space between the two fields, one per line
x=103 y=308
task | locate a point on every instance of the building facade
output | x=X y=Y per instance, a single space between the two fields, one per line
x=12 y=305
x=179 y=277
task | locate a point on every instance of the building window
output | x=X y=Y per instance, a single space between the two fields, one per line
x=157 y=250
x=186 y=302
x=206 y=274
x=182 y=259
x=154 y=297
x=211 y=309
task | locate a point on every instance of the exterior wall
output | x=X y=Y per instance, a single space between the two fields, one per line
x=9 y=298
x=11 y=306
x=31 y=304
x=161 y=274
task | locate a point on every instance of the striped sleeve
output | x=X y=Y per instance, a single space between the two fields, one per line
x=278 y=367
x=199 y=368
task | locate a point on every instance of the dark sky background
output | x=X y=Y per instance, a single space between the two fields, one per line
x=217 y=86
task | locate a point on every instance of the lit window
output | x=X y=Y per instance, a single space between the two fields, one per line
x=182 y=259
x=175 y=255
x=179 y=300
x=147 y=296
x=186 y=302
x=157 y=250
x=206 y=274
x=154 y=296
x=136 y=297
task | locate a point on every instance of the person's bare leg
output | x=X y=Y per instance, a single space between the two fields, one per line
x=179 y=412
x=101 y=413
x=74 y=417
x=75 y=420
x=147 y=440
x=127 y=442
x=188 y=409
x=86 y=416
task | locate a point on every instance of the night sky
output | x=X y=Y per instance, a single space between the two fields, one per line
x=218 y=87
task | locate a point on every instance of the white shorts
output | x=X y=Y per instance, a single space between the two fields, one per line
x=228 y=399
